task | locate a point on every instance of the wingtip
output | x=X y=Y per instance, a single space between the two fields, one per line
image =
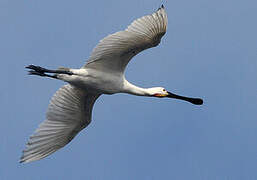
x=162 y=7
x=21 y=160
x=24 y=160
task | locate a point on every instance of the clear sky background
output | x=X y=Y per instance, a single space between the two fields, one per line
x=209 y=51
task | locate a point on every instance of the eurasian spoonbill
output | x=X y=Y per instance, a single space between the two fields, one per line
x=71 y=106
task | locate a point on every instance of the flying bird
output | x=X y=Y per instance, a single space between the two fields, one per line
x=71 y=106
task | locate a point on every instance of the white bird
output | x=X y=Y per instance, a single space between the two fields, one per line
x=71 y=106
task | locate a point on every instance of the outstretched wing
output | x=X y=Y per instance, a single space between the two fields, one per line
x=114 y=52
x=68 y=113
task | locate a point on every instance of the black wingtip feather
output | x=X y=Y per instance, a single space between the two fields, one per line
x=162 y=7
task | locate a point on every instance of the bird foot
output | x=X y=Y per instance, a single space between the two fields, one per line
x=36 y=70
x=39 y=71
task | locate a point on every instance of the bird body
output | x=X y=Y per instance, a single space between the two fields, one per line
x=92 y=80
x=70 y=108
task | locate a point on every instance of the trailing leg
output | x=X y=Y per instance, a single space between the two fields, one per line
x=37 y=70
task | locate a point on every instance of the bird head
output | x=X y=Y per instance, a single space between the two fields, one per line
x=158 y=92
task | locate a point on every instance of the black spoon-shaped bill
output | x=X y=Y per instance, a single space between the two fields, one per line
x=196 y=101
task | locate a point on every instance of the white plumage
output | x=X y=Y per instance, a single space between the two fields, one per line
x=68 y=113
x=70 y=108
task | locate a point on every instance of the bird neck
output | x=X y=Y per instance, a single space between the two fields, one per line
x=135 y=90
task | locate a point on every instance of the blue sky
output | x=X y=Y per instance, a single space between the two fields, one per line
x=209 y=51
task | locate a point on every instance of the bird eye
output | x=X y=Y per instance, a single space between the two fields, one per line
x=163 y=90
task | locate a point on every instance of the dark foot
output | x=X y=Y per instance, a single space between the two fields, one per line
x=42 y=74
x=39 y=71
